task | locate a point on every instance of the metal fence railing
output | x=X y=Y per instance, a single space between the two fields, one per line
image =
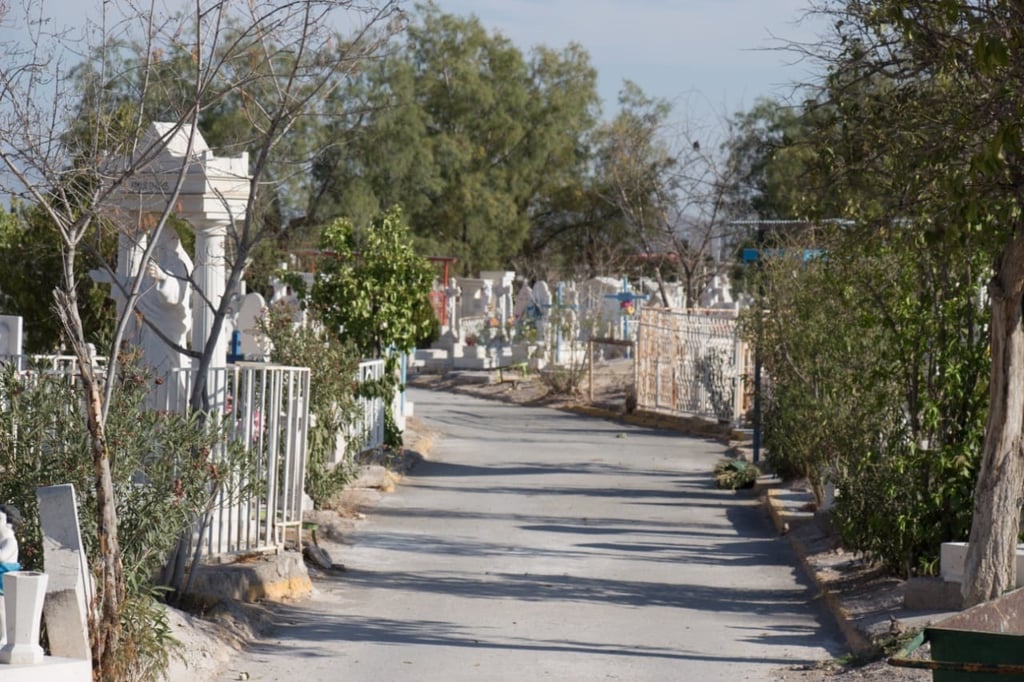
x=265 y=409
x=60 y=364
x=265 y=413
x=369 y=431
x=691 y=363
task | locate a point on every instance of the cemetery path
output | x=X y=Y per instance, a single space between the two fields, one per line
x=540 y=544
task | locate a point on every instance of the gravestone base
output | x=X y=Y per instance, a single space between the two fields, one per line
x=571 y=356
x=253 y=579
x=931 y=593
x=430 y=359
x=52 y=669
x=522 y=352
x=472 y=363
x=953 y=556
x=472 y=357
x=502 y=356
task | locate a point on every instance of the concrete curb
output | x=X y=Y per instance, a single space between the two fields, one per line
x=694 y=426
x=856 y=641
x=277 y=577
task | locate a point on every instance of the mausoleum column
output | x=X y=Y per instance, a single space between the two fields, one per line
x=209 y=286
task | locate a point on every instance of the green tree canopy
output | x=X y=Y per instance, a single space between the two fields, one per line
x=473 y=140
x=371 y=287
x=30 y=270
x=774 y=171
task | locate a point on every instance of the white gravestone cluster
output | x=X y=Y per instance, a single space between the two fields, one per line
x=497 y=319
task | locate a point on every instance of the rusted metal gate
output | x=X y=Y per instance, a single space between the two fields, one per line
x=691 y=363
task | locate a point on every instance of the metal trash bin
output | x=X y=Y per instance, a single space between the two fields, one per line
x=984 y=643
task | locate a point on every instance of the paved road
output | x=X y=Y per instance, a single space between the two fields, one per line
x=538 y=544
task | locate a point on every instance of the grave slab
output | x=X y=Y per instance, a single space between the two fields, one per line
x=65 y=610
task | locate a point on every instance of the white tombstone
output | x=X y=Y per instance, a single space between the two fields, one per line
x=654 y=291
x=601 y=312
x=473 y=303
x=487 y=297
x=255 y=344
x=213 y=198
x=11 y=336
x=717 y=294
x=69 y=592
x=571 y=303
x=503 y=281
x=542 y=299
x=283 y=294
x=676 y=294
x=452 y=301
x=522 y=301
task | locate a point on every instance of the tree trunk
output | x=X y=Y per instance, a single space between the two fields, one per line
x=991 y=568
x=107 y=634
x=105 y=615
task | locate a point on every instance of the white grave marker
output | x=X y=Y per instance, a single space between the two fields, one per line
x=68 y=593
x=11 y=339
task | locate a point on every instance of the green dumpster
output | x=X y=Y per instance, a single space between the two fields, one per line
x=984 y=643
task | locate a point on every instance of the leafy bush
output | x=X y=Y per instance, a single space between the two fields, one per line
x=162 y=478
x=736 y=474
x=564 y=380
x=876 y=367
x=333 y=368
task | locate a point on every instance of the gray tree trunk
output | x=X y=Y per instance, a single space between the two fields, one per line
x=991 y=568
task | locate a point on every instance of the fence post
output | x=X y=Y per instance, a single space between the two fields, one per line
x=737 y=396
x=590 y=371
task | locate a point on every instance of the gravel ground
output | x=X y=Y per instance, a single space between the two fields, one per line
x=879 y=671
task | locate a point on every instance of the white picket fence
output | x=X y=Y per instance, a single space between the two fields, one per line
x=265 y=413
x=59 y=364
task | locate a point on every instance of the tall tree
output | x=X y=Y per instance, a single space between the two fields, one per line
x=471 y=138
x=773 y=164
x=29 y=264
x=925 y=104
x=669 y=189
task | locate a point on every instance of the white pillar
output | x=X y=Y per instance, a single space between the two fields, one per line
x=210 y=279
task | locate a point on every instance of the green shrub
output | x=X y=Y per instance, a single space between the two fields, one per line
x=736 y=474
x=876 y=366
x=333 y=369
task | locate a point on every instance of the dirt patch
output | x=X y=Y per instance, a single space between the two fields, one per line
x=608 y=387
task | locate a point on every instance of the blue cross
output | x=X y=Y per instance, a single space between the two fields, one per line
x=626 y=297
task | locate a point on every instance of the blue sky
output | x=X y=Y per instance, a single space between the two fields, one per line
x=710 y=58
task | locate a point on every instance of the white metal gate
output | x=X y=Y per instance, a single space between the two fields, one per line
x=266 y=410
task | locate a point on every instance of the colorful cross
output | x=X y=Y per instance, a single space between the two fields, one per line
x=629 y=303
